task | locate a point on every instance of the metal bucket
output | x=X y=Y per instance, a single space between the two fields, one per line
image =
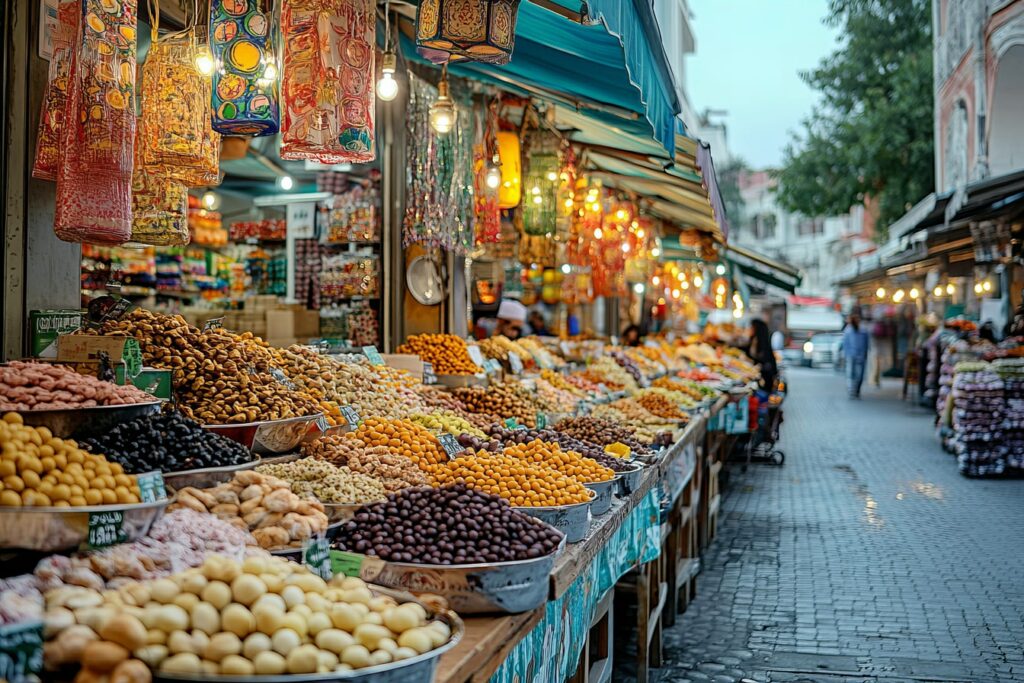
x=85 y=422
x=604 y=493
x=571 y=520
x=628 y=481
x=505 y=587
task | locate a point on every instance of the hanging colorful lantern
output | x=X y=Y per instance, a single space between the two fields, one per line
x=510 y=191
x=243 y=38
x=328 y=80
x=94 y=175
x=159 y=203
x=480 y=30
x=539 y=209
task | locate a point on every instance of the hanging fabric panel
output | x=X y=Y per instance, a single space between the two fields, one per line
x=179 y=142
x=55 y=100
x=95 y=170
x=243 y=39
x=328 y=90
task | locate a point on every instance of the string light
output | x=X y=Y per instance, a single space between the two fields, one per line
x=880 y=292
x=698 y=281
x=638 y=288
x=950 y=289
x=938 y=290
x=898 y=296
x=598 y=234
x=914 y=293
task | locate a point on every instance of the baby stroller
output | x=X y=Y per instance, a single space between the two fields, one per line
x=761 y=442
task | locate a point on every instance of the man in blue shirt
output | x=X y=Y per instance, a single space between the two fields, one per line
x=855 y=350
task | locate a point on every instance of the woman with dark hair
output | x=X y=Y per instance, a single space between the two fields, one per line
x=760 y=352
x=631 y=336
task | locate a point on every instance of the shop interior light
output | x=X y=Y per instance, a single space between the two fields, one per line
x=655 y=252
x=697 y=280
x=443 y=112
x=210 y=200
x=204 y=60
x=914 y=293
x=598 y=234
x=880 y=292
x=286 y=182
x=387 y=86
x=625 y=247
x=720 y=269
x=950 y=289
x=655 y=280
x=493 y=177
x=987 y=285
x=675 y=293
x=638 y=288
x=978 y=288
x=938 y=290
x=898 y=296
x=566 y=268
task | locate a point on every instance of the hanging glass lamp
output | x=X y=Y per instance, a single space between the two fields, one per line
x=480 y=30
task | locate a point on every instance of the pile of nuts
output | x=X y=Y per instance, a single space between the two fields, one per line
x=40 y=470
x=451 y=525
x=558 y=380
x=510 y=437
x=445 y=421
x=218 y=377
x=169 y=443
x=583 y=470
x=446 y=352
x=634 y=412
x=661 y=406
x=557 y=400
x=326 y=482
x=264 y=505
x=600 y=432
x=520 y=481
x=503 y=400
x=537 y=350
x=261 y=616
x=641 y=431
x=42 y=386
x=500 y=346
x=317 y=374
x=402 y=437
x=394 y=471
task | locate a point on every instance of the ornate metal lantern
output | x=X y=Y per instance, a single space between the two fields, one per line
x=480 y=30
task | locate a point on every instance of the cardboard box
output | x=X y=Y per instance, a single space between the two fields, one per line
x=282 y=342
x=281 y=323
x=307 y=324
x=405 y=361
x=45 y=326
x=84 y=348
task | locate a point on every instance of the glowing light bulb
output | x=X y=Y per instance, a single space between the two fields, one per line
x=538 y=200
x=387 y=86
x=535 y=189
x=898 y=296
x=204 y=61
x=655 y=280
x=566 y=268
x=675 y=293
x=737 y=312
x=655 y=252
x=286 y=182
x=987 y=285
x=977 y=288
x=625 y=247
x=937 y=291
x=720 y=289
x=720 y=269
x=598 y=234
x=638 y=288
x=270 y=71
x=552 y=176
x=880 y=292
x=493 y=177
x=442 y=111
x=620 y=215
x=914 y=293
x=697 y=280
x=568 y=203
x=684 y=284
x=640 y=233
x=950 y=289
x=210 y=200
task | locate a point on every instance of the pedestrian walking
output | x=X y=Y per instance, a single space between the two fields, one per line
x=855 y=351
x=761 y=352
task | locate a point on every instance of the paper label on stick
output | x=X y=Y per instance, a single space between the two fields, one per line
x=373 y=355
x=475 y=354
x=106 y=529
x=351 y=416
x=450 y=445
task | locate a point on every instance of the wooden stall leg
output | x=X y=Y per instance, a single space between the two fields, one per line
x=670 y=553
x=643 y=619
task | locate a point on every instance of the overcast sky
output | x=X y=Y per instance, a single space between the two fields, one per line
x=749 y=54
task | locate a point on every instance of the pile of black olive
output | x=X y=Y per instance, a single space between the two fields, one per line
x=169 y=442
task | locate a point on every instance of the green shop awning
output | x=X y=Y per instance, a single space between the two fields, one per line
x=753 y=265
x=613 y=70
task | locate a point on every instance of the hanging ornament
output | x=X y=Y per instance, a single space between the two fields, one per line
x=95 y=169
x=510 y=191
x=539 y=207
x=328 y=80
x=243 y=40
x=51 y=119
x=480 y=30
x=443 y=112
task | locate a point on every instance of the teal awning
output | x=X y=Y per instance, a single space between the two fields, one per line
x=751 y=264
x=613 y=71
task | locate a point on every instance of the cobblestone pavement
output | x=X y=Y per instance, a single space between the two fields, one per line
x=866 y=557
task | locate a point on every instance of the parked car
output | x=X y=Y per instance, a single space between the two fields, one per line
x=823 y=349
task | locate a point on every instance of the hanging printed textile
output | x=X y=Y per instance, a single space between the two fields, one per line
x=55 y=100
x=159 y=203
x=179 y=142
x=243 y=39
x=95 y=171
x=327 y=88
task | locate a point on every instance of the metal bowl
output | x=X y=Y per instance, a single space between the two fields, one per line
x=295 y=552
x=85 y=422
x=270 y=437
x=207 y=477
x=342 y=512
x=49 y=529
x=500 y=587
x=572 y=520
x=418 y=669
x=604 y=493
x=627 y=481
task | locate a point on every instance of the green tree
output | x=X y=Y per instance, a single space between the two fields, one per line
x=729 y=187
x=871 y=135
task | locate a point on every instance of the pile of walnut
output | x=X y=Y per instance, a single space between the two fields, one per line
x=261 y=504
x=219 y=377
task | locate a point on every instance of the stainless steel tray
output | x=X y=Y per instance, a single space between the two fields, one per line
x=418 y=669
x=88 y=421
x=207 y=477
x=604 y=493
x=49 y=529
x=270 y=437
x=572 y=520
x=627 y=481
x=501 y=587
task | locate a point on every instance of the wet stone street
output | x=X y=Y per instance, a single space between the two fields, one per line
x=866 y=557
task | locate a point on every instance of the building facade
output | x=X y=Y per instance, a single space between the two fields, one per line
x=817 y=246
x=979 y=90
